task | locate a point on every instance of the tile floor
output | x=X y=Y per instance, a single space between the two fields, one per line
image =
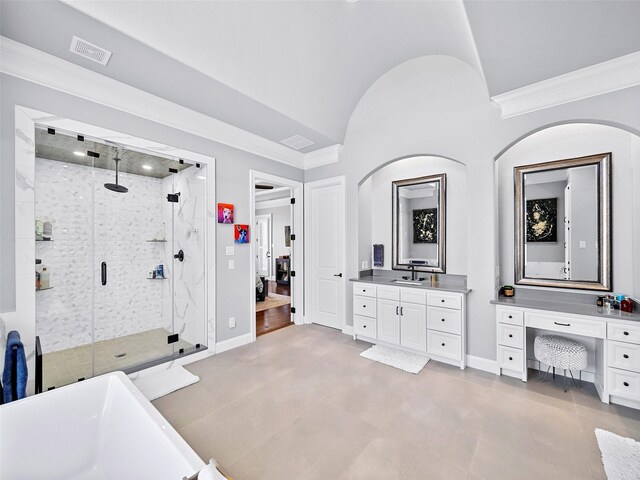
x=67 y=366
x=300 y=403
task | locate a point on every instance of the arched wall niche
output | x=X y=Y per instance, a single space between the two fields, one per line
x=375 y=208
x=570 y=140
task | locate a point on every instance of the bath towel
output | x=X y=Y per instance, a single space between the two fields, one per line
x=14 y=376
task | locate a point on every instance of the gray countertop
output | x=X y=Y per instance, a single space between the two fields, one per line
x=568 y=305
x=442 y=285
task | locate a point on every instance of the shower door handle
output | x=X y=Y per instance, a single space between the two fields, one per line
x=103 y=272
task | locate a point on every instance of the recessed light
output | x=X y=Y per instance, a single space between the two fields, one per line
x=79 y=154
x=147 y=167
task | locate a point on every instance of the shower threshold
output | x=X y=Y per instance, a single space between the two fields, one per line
x=129 y=353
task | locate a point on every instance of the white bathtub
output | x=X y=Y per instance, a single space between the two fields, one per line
x=101 y=428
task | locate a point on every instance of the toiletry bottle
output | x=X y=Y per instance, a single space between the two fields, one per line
x=39 y=229
x=434 y=280
x=37 y=280
x=44 y=278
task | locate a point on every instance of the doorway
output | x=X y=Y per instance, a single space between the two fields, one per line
x=276 y=244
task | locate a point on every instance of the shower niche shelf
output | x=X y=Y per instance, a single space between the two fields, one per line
x=157 y=240
x=41 y=289
x=158 y=278
x=45 y=241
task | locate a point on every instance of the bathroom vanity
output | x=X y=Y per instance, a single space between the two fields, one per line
x=414 y=316
x=612 y=339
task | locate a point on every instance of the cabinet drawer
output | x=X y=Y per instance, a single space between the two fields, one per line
x=510 y=335
x=389 y=293
x=567 y=324
x=624 y=384
x=623 y=333
x=365 y=306
x=364 y=326
x=444 y=344
x=413 y=295
x=507 y=315
x=444 y=320
x=447 y=300
x=624 y=355
x=510 y=358
x=364 y=289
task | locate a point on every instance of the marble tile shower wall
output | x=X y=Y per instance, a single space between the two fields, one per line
x=189 y=276
x=129 y=303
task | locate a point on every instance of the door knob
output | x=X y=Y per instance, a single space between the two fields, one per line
x=338 y=275
x=179 y=256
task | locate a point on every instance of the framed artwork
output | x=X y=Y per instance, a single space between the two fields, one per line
x=225 y=213
x=425 y=225
x=241 y=233
x=541 y=219
x=287 y=235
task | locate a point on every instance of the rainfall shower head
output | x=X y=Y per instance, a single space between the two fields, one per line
x=115 y=187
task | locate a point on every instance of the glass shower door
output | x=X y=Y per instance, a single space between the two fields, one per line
x=133 y=289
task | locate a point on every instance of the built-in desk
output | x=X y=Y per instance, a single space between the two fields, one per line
x=612 y=340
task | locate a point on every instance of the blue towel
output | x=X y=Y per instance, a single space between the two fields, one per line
x=14 y=376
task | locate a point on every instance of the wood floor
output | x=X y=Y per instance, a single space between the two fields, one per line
x=274 y=318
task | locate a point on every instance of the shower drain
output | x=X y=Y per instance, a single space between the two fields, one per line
x=120 y=355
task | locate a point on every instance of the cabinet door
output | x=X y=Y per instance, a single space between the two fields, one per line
x=388 y=321
x=413 y=326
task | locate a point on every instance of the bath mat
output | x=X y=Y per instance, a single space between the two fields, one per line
x=407 y=361
x=271 y=301
x=161 y=382
x=620 y=455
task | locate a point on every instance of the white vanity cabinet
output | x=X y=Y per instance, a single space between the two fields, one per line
x=415 y=319
x=616 y=366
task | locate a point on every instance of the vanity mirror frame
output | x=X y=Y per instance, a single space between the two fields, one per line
x=441 y=178
x=603 y=162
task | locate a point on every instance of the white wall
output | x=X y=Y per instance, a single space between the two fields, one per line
x=380 y=211
x=438 y=105
x=280 y=216
x=569 y=141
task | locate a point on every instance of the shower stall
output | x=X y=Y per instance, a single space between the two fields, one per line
x=120 y=257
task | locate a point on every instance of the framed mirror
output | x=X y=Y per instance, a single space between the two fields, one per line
x=563 y=223
x=419 y=224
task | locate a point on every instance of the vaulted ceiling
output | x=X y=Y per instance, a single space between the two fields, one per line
x=281 y=68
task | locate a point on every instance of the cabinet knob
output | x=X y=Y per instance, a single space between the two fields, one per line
x=443 y=319
x=442 y=300
x=364 y=326
x=364 y=306
x=626 y=384
x=510 y=316
x=510 y=358
x=364 y=291
x=510 y=335
x=626 y=333
x=443 y=344
x=625 y=355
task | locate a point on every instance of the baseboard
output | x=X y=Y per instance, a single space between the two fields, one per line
x=586 y=375
x=232 y=343
x=347 y=329
x=480 y=363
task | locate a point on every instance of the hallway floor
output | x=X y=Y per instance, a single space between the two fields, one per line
x=273 y=319
x=301 y=403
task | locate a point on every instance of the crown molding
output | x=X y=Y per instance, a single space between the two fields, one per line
x=617 y=74
x=28 y=63
x=323 y=156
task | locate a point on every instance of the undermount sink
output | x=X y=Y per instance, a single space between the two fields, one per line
x=406 y=282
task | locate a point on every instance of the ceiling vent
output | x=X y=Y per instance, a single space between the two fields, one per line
x=89 y=50
x=297 y=142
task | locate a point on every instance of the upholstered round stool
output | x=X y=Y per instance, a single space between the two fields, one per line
x=560 y=352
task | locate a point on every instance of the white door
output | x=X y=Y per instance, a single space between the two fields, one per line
x=388 y=321
x=326 y=224
x=263 y=245
x=413 y=326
